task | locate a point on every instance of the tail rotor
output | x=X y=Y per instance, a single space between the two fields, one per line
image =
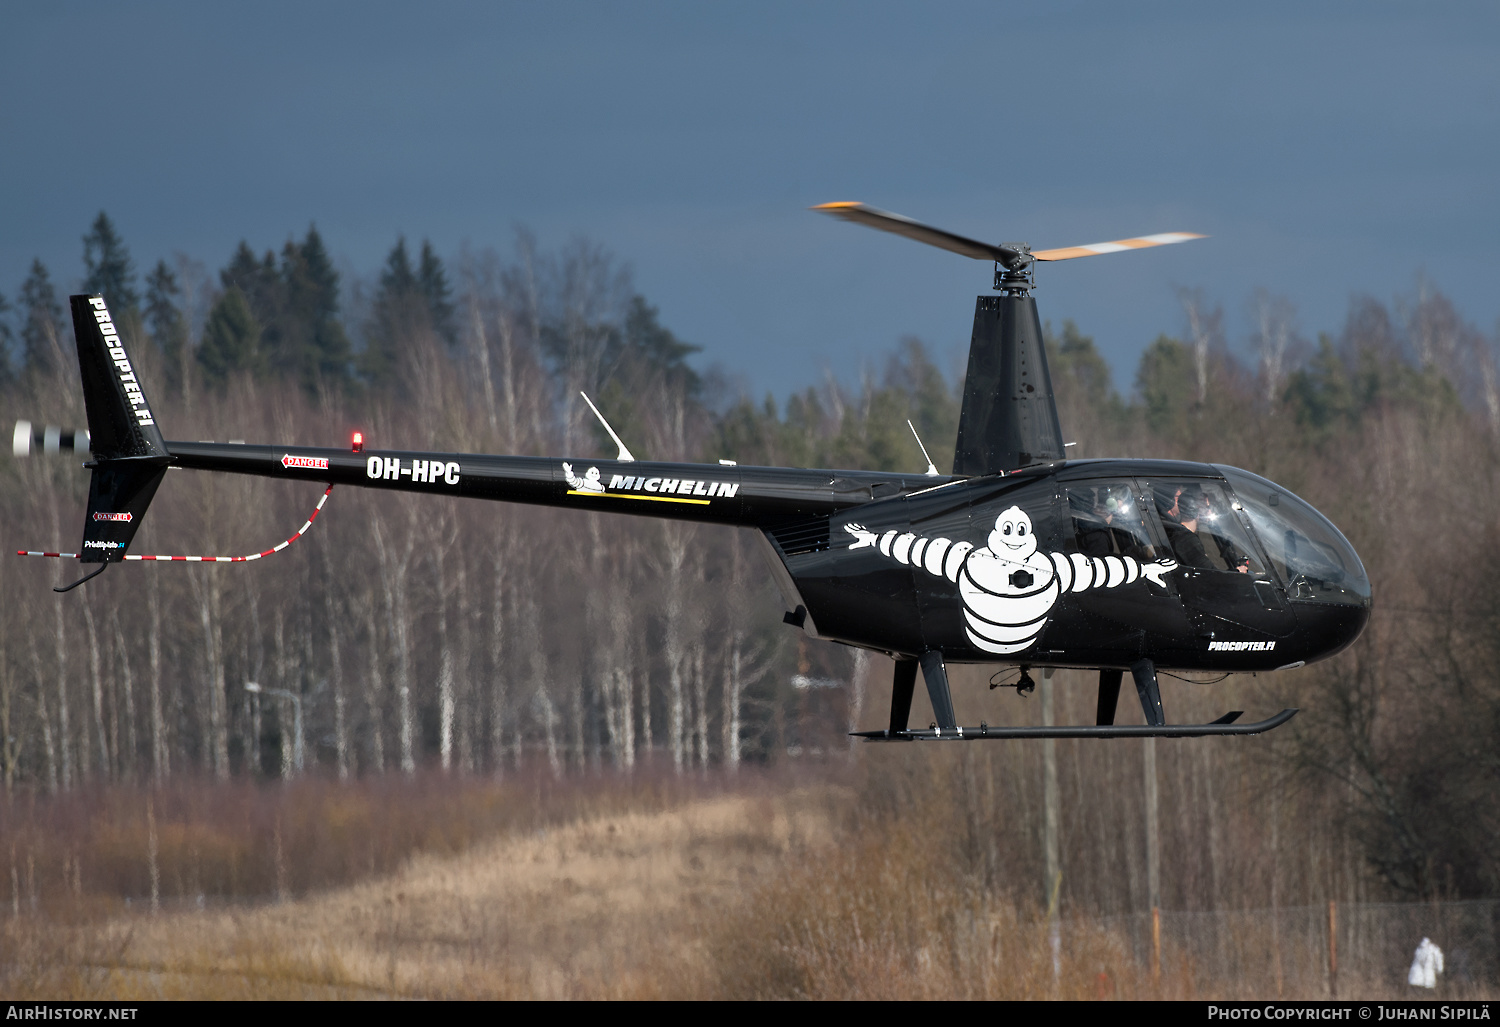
x=49 y=440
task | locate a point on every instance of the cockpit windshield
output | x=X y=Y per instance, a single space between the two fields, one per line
x=1313 y=558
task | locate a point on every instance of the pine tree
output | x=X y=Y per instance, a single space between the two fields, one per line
x=288 y=335
x=932 y=403
x=1077 y=364
x=109 y=266
x=400 y=311
x=654 y=350
x=1166 y=384
x=248 y=273
x=164 y=319
x=432 y=280
x=312 y=287
x=397 y=279
x=294 y=305
x=42 y=345
x=231 y=339
x=314 y=290
x=261 y=287
x=6 y=338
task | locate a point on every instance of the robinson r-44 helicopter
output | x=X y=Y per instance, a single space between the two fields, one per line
x=1020 y=557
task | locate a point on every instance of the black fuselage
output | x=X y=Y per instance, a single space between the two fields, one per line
x=1091 y=563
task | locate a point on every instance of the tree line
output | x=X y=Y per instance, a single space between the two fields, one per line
x=418 y=631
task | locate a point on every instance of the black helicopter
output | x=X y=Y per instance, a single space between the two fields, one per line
x=1019 y=557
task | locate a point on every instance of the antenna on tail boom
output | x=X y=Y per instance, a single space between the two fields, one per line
x=931 y=467
x=624 y=456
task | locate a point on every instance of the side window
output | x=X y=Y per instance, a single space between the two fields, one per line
x=1107 y=521
x=1203 y=529
x=1035 y=499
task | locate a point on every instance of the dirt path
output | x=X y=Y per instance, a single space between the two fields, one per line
x=618 y=906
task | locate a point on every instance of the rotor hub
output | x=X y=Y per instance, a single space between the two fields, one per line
x=1015 y=270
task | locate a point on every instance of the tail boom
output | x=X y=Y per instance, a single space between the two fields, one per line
x=755 y=497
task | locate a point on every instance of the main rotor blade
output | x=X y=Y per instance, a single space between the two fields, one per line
x=884 y=220
x=1144 y=242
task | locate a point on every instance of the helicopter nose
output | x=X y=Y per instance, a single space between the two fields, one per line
x=1330 y=628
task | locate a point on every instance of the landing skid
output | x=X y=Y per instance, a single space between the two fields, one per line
x=946 y=727
x=1225 y=725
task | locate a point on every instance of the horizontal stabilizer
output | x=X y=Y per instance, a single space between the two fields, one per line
x=119 y=492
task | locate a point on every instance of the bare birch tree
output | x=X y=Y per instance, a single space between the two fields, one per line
x=677 y=539
x=395 y=566
x=1274 y=320
x=1205 y=328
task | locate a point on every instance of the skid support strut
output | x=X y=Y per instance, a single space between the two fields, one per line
x=1109 y=696
x=904 y=685
x=936 y=676
x=901 y=690
x=1144 y=672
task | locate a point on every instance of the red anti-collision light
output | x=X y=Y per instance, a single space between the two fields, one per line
x=359 y=441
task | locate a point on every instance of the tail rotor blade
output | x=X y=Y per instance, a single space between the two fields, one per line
x=49 y=439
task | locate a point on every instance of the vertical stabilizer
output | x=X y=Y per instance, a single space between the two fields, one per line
x=1009 y=417
x=120 y=420
x=130 y=457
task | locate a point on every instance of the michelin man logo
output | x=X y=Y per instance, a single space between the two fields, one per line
x=588 y=483
x=1008 y=588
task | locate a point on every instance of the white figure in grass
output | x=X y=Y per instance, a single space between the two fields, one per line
x=1008 y=587
x=1425 y=965
x=588 y=483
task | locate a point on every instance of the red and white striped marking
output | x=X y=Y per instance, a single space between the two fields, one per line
x=209 y=559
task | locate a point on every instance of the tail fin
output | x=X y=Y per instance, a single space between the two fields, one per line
x=130 y=457
x=120 y=419
x=1009 y=417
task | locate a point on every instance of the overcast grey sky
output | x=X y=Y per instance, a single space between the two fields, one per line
x=1327 y=148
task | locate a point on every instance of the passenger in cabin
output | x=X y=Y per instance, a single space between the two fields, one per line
x=1090 y=525
x=1125 y=525
x=1105 y=523
x=1179 y=506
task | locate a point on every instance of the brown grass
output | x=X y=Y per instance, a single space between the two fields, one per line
x=610 y=906
x=241 y=840
x=751 y=887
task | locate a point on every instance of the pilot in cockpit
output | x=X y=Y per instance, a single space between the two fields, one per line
x=1182 y=509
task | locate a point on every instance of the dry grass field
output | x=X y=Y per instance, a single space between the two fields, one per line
x=759 y=891
x=830 y=883
x=616 y=894
x=607 y=907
